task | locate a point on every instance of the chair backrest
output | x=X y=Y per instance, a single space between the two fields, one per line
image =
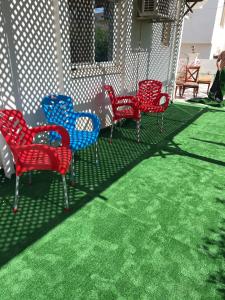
x=109 y=89
x=192 y=73
x=149 y=90
x=57 y=108
x=14 y=128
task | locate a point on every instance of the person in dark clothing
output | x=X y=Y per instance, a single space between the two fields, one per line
x=217 y=90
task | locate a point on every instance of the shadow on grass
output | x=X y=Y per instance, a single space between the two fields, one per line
x=209 y=142
x=214 y=247
x=40 y=205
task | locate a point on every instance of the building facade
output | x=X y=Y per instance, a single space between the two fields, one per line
x=47 y=46
x=204 y=31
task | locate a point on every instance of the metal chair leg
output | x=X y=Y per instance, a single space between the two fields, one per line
x=66 y=206
x=138 y=130
x=72 y=170
x=15 y=206
x=30 y=178
x=197 y=89
x=96 y=153
x=158 y=118
x=162 y=121
x=111 y=133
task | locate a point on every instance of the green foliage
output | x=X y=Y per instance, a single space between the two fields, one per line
x=101 y=45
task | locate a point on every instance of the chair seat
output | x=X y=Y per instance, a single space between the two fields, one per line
x=190 y=84
x=36 y=159
x=127 y=114
x=152 y=108
x=30 y=156
x=81 y=139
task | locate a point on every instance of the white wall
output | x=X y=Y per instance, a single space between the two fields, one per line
x=218 y=38
x=203 y=30
x=198 y=29
x=204 y=50
x=208 y=66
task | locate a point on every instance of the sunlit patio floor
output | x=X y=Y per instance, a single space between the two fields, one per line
x=147 y=222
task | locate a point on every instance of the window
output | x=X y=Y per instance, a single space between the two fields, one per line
x=92 y=31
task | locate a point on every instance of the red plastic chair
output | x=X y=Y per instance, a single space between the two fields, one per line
x=149 y=95
x=123 y=107
x=29 y=156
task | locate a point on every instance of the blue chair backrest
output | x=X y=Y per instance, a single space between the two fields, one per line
x=57 y=108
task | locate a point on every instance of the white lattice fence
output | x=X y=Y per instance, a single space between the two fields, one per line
x=34 y=42
x=7 y=94
x=50 y=46
x=146 y=55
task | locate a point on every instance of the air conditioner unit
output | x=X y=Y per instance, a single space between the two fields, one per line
x=153 y=9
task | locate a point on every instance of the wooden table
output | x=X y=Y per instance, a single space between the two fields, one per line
x=205 y=81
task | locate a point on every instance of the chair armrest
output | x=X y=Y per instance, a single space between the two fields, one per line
x=50 y=151
x=166 y=95
x=59 y=129
x=124 y=104
x=94 y=118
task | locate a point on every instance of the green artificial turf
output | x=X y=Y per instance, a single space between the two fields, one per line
x=148 y=222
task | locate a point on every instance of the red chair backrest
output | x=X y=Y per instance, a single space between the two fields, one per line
x=14 y=128
x=109 y=89
x=149 y=90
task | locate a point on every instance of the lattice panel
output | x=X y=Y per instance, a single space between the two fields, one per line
x=166 y=7
x=31 y=46
x=64 y=19
x=85 y=84
x=159 y=59
x=176 y=46
x=151 y=59
x=154 y=59
x=7 y=95
x=82 y=29
x=78 y=24
x=35 y=51
x=34 y=40
x=81 y=15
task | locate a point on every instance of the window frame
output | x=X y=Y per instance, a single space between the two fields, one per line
x=105 y=67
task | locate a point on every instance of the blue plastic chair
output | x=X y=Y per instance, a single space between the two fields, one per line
x=59 y=110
